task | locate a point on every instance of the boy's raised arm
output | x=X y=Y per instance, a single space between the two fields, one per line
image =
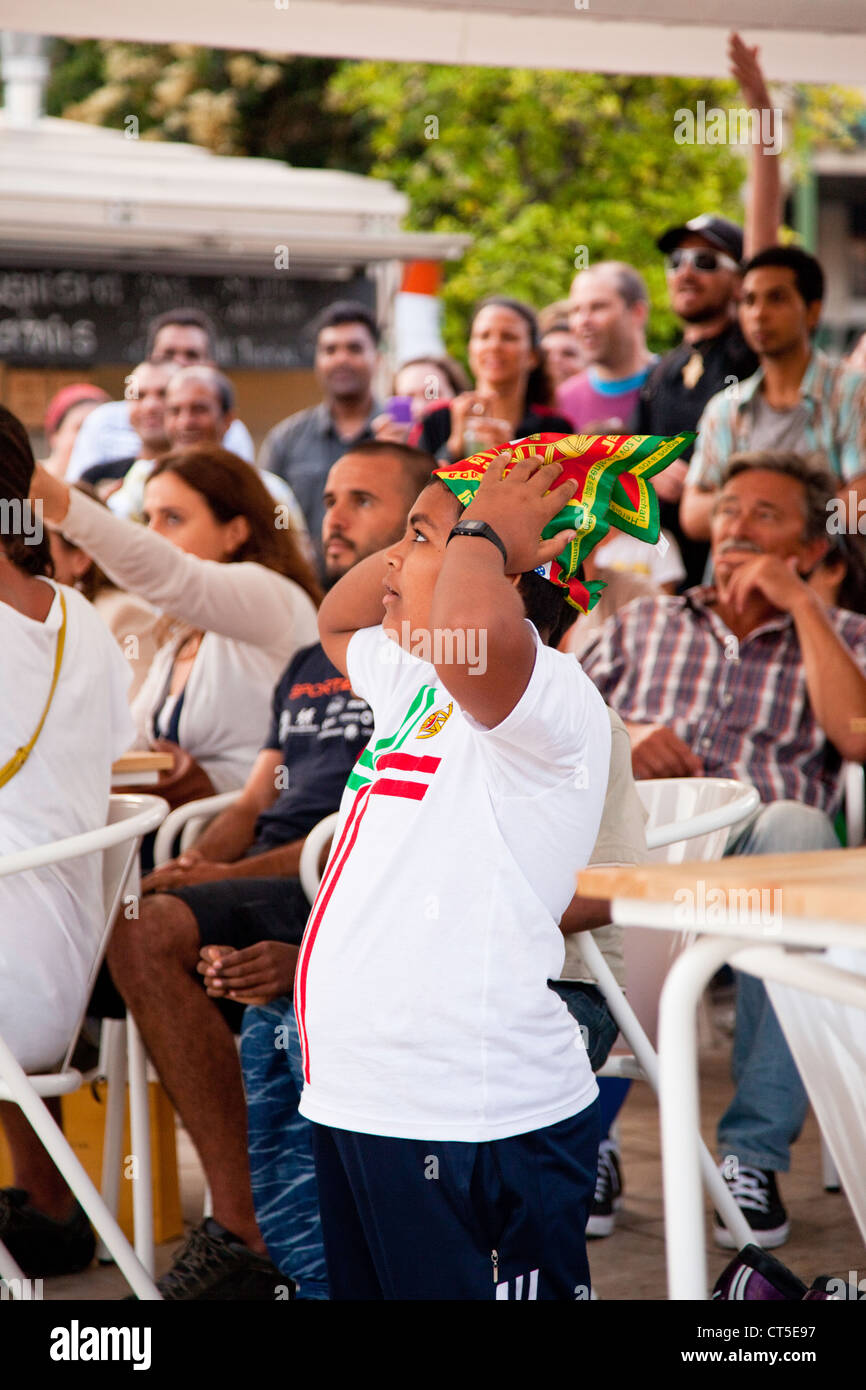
x=475 y=596
x=355 y=602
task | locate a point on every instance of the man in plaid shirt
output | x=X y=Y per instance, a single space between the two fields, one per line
x=798 y=399
x=758 y=680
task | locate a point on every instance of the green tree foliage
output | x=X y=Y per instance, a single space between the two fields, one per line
x=231 y=103
x=546 y=170
x=537 y=165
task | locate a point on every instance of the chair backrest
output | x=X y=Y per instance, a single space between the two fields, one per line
x=691 y=817
x=308 y=869
x=185 y=823
x=130 y=817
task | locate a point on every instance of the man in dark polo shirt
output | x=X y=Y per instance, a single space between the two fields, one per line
x=303 y=447
x=238 y=888
x=704 y=256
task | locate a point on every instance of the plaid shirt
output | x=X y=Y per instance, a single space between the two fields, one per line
x=835 y=402
x=742 y=706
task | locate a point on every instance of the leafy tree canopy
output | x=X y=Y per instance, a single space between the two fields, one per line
x=546 y=170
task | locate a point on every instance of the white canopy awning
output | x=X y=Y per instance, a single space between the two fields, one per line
x=90 y=191
x=800 y=40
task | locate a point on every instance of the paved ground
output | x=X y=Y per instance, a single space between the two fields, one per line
x=631 y=1263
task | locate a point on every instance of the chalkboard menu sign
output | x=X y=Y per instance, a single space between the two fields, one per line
x=81 y=318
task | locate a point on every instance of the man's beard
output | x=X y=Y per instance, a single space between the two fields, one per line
x=703 y=314
x=332 y=577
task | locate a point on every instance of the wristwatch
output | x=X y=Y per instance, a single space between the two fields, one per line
x=479 y=528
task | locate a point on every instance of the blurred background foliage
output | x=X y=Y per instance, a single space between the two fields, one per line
x=534 y=165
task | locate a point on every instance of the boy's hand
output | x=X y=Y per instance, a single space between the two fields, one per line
x=519 y=505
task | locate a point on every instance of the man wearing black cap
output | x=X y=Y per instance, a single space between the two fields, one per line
x=703 y=270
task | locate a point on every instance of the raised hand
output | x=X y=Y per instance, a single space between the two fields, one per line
x=746 y=69
x=519 y=505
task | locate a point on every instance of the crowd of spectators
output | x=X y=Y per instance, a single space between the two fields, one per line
x=173 y=604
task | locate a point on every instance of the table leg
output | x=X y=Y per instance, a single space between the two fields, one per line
x=680 y=1115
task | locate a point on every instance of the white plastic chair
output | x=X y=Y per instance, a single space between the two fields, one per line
x=685 y=814
x=130 y=818
x=123 y=1053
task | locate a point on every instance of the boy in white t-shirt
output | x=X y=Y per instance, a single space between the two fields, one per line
x=454 y=1108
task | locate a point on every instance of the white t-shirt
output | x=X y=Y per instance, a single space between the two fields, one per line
x=662 y=563
x=421 y=989
x=51 y=918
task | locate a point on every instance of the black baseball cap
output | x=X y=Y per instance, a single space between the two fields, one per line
x=718 y=231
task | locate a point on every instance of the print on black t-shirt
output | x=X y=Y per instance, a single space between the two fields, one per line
x=320 y=728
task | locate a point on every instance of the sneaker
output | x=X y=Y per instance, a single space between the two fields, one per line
x=608 y=1192
x=41 y=1246
x=215 y=1265
x=754 y=1276
x=755 y=1193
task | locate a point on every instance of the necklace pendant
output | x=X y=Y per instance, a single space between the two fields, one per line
x=693 y=371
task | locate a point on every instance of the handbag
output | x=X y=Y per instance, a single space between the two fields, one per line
x=20 y=756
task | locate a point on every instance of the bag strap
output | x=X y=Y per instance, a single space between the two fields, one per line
x=19 y=758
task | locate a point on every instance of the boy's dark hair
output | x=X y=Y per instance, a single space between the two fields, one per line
x=808 y=275
x=16 y=475
x=184 y=318
x=344 y=311
x=546 y=605
x=539 y=388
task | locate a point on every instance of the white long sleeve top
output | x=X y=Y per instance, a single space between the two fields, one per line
x=254 y=620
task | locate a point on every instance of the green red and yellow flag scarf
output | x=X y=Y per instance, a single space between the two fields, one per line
x=613 y=473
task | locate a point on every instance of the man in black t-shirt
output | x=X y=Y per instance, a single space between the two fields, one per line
x=238 y=888
x=704 y=259
x=704 y=256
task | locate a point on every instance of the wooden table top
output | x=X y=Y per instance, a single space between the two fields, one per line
x=827 y=884
x=141 y=762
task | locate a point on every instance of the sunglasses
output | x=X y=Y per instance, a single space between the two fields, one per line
x=699 y=259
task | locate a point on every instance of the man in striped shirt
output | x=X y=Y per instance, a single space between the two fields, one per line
x=753 y=679
x=798 y=399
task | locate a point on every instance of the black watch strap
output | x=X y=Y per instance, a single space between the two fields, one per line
x=480 y=528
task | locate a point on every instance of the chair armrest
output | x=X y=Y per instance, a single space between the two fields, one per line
x=308 y=870
x=719 y=818
x=189 y=821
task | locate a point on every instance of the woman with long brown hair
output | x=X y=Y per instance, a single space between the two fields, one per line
x=218 y=555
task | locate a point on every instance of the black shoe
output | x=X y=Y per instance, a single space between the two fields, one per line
x=43 y=1247
x=608 y=1192
x=215 y=1265
x=755 y=1193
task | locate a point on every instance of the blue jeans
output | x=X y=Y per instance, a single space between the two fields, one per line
x=770 y=1103
x=588 y=1006
x=282 y=1171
